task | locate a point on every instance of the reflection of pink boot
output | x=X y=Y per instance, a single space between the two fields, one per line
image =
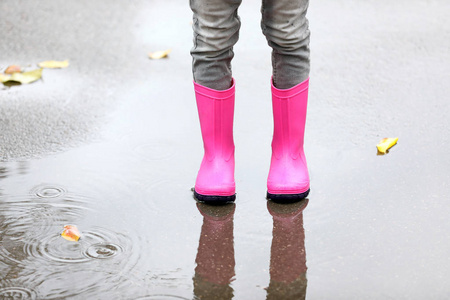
x=287 y=254
x=215 y=179
x=215 y=257
x=288 y=179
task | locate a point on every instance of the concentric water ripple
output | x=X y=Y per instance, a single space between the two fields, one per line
x=102 y=251
x=23 y=224
x=28 y=219
x=17 y=293
x=100 y=266
x=99 y=243
x=49 y=191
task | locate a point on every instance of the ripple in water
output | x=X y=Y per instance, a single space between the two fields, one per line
x=48 y=191
x=26 y=222
x=30 y=241
x=17 y=293
x=102 y=251
x=99 y=243
x=23 y=225
x=99 y=266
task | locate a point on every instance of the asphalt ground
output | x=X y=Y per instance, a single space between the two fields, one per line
x=122 y=130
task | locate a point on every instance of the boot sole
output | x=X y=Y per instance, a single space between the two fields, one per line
x=287 y=198
x=208 y=199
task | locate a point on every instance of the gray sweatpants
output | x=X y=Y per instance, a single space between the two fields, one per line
x=216 y=30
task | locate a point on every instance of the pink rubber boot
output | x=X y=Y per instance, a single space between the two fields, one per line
x=215 y=179
x=288 y=179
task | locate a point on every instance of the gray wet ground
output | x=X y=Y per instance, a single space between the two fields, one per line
x=112 y=145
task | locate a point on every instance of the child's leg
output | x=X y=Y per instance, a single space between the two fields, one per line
x=216 y=29
x=285 y=26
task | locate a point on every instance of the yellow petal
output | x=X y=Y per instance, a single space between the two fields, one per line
x=53 y=64
x=386 y=143
x=26 y=77
x=12 y=69
x=71 y=233
x=4 y=77
x=159 y=54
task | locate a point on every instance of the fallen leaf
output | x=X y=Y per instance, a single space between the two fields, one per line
x=4 y=77
x=13 y=69
x=71 y=233
x=159 y=54
x=385 y=144
x=26 y=77
x=53 y=64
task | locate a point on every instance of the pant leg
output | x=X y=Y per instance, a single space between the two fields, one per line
x=286 y=29
x=216 y=30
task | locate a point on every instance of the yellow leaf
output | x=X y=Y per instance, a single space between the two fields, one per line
x=53 y=64
x=4 y=77
x=71 y=233
x=159 y=54
x=385 y=144
x=26 y=77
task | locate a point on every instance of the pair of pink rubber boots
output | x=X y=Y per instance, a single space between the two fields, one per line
x=288 y=179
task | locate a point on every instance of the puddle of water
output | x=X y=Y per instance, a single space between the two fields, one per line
x=172 y=252
x=33 y=252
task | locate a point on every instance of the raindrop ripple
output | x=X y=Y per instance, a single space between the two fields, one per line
x=17 y=293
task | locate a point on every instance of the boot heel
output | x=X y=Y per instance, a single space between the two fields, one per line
x=287 y=198
x=215 y=200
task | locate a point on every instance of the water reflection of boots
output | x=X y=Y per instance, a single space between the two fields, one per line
x=288 y=256
x=215 y=256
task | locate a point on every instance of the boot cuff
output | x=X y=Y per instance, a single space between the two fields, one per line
x=302 y=86
x=215 y=94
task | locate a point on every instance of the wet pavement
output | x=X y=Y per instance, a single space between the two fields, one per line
x=112 y=144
